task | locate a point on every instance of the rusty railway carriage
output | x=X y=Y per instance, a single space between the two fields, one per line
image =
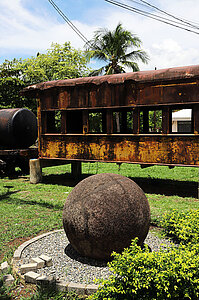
x=107 y=118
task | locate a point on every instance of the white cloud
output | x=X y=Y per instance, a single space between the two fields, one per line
x=167 y=46
x=25 y=32
x=169 y=53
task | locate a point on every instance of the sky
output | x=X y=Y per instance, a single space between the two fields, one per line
x=31 y=26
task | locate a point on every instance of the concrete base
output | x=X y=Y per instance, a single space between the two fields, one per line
x=35 y=171
x=36 y=166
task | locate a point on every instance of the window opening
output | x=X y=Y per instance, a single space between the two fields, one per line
x=150 y=121
x=123 y=121
x=51 y=122
x=155 y=121
x=74 y=121
x=58 y=121
x=182 y=120
x=129 y=121
x=97 y=122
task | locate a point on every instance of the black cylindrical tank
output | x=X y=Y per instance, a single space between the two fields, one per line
x=18 y=128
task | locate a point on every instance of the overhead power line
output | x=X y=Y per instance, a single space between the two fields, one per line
x=169 y=14
x=66 y=19
x=153 y=16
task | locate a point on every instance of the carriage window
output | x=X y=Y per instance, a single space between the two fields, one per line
x=117 y=122
x=58 y=121
x=74 y=121
x=155 y=121
x=62 y=122
x=97 y=122
x=129 y=121
x=123 y=121
x=151 y=121
x=182 y=120
x=51 y=122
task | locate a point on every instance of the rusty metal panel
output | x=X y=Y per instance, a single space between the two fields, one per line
x=168 y=94
x=136 y=120
x=109 y=121
x=166 y=120
x=131 y=91
x=195 y=115
x=39 y=121
x=62 y=99
x=149 y=95
x=119 y=95
x=83 y=97
x=49 y=99
x=181 y=93
x=77 y=97
x=92 y=96
x=180 y=73
x=162 y=87
x=171 y=149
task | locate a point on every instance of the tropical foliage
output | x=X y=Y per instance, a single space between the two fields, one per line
x=119 y=48
x=165 y=274
x=182 y=226
x=59 y=62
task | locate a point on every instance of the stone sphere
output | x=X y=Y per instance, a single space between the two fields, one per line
x=103 y=213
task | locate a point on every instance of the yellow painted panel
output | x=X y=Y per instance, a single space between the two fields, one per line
x=164 y=150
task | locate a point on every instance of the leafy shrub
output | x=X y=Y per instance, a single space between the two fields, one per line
x=141 y=274
x=182 y=226
x=171 y=274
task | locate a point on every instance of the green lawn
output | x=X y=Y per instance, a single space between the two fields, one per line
x=28 y=210
x=131 y=170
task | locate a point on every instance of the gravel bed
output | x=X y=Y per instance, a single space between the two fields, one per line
x=68 y=265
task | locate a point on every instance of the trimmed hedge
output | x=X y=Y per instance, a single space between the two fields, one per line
x=166 y=274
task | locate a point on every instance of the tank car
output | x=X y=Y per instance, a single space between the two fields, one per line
x=18 y=131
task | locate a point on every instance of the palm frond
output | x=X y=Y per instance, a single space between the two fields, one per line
x=97 y=72
x=136 y=55
x=132 y=65
x=97 y=54
x=113 y=47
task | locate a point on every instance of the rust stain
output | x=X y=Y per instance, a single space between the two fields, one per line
x=164 y=90
x=179 y=73
x=167 y=150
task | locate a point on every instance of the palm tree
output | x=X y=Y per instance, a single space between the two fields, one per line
x=112 y=47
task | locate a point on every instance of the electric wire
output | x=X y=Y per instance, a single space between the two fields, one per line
x=178 y=24
x=169 y=14
x=152 y=16
x=66 y=19
x=182 y=20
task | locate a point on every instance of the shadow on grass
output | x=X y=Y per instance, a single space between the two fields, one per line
x=165 y=187
x=7 y=194
x=7 y=197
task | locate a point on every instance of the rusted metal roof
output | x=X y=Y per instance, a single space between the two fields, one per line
x=178 y=73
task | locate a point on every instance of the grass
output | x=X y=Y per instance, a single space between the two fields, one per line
x=28 y=210
x=130 y=170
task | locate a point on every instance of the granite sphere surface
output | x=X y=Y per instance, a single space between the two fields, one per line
x=103 y=213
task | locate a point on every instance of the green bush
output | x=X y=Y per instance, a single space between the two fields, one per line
x=182 y=226
x=141 y=274
x=170 y=274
